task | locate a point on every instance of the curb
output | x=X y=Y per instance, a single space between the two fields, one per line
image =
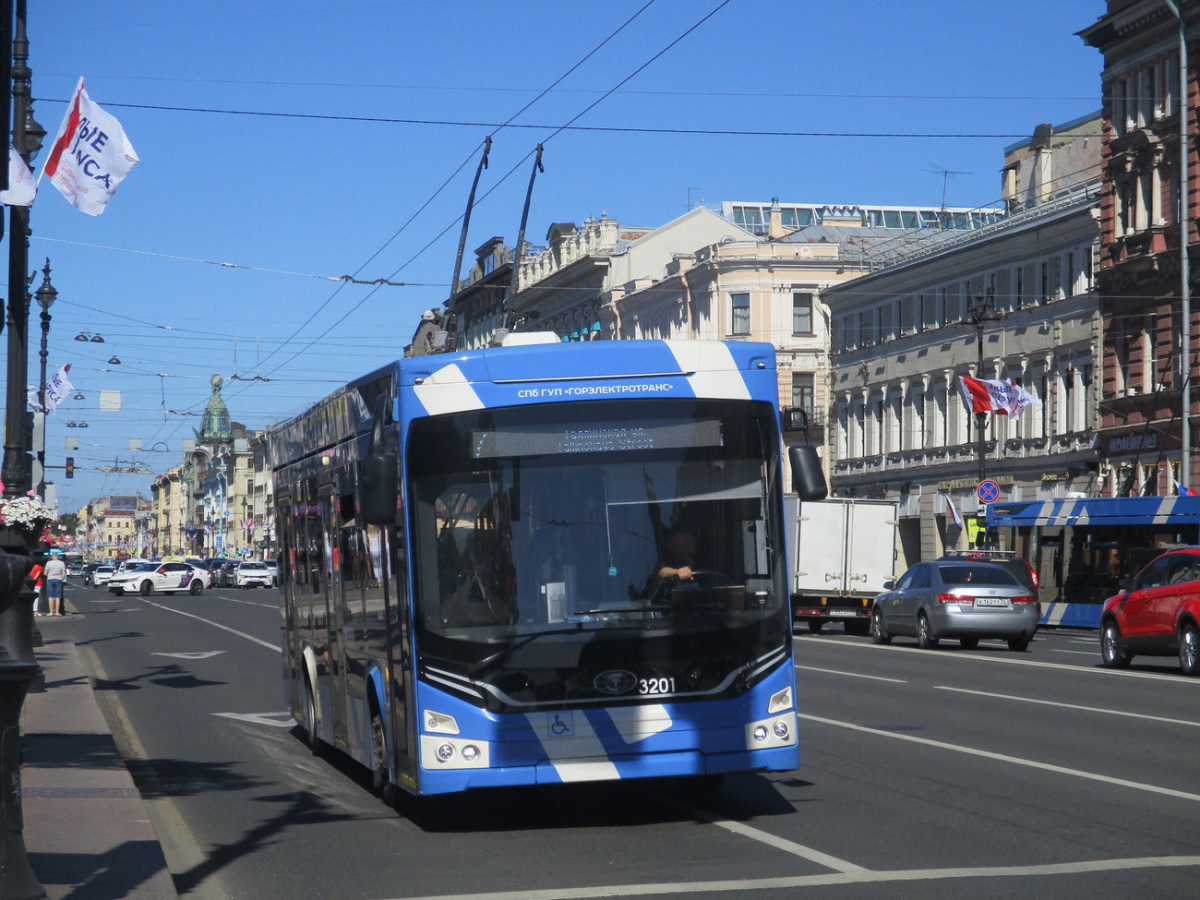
x=87 y=831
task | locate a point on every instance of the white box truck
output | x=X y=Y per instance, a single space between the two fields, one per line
x=843 y=550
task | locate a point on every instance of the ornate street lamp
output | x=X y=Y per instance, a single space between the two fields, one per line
x=19 y=669
x=46 y=295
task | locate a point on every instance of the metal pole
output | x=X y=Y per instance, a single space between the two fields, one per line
x=980 y=417
x=462 y=236
x=43 y=354
x=27 y=137
x=1185 y=277
x=516 y=269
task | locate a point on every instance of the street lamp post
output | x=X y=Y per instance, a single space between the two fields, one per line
x=982 y=313
x=46 y=295
x=19 y=670
x=27 y=137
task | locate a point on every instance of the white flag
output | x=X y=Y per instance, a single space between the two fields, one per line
x=90 y=156
x=21 y=186
x=57 y=389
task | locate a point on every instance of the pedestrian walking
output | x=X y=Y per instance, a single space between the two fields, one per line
x=38 y=576
x=56 y=574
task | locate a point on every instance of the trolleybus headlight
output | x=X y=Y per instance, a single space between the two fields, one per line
x=470 y=753
x=445 y=751
x=781 y=729
x=760 y=733
x=440 y=723
x=781 y=701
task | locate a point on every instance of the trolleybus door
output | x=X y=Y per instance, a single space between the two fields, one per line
x=334 y=616
x=288 y=618
x=403 y=722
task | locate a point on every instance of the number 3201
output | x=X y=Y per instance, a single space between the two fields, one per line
x=656 y=685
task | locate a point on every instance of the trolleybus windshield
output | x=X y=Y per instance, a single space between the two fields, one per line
x=539 y=533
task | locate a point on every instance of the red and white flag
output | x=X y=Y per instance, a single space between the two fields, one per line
x=90 y=155
x=995 y=396
x=21 y=186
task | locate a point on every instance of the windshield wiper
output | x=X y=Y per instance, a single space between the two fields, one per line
x=517 y=644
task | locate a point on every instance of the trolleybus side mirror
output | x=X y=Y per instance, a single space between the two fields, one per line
x=378 y=482
x=808 y=478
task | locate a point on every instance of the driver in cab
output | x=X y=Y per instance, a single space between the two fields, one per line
x=676 y=565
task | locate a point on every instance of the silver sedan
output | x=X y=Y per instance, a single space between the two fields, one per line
x=960 y=599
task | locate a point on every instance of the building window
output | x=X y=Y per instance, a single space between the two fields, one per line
x=1089 y=407
x=803 y=391
x=866 y=330
x=1150 y=480
x=802 y=313
x=908 y=321
x=741 y=313
x=885 y=322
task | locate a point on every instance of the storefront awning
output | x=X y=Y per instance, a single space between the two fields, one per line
x=1097 y=511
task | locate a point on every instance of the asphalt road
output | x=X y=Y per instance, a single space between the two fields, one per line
x=931 y=774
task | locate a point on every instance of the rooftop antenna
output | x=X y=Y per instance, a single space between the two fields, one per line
x=689 y=190
x=946 y=174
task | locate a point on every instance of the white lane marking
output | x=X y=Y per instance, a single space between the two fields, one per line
x=833 y=878
x=852 y=674
x=1014 y=760
x=1008 y=661
x=276 y=719
x=195 y=654
x=1095 y=652
x=241 y=634
x=246 y=602
x=1089 y=709
x=763 y=837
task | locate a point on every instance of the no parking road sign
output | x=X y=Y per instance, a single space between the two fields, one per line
x=988 y=491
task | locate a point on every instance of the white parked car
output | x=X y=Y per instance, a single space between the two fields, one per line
x=252 y=574
x=165 y=578
x=102 y=575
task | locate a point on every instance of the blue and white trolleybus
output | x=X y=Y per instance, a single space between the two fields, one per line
x=471 y=558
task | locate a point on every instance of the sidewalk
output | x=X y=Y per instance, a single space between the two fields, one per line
x=87 y=831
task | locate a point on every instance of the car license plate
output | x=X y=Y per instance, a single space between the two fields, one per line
x=991 y=601
x=842 y=612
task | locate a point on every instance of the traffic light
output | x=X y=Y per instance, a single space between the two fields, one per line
x=70 y=467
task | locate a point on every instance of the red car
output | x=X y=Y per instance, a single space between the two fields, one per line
x=1157 y=614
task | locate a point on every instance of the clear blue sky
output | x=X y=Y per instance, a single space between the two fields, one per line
x=285 y=144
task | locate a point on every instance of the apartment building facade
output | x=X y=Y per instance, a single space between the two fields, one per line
x=1147 y=277
x=1016 y=299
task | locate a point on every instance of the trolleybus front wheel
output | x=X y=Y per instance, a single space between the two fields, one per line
x=310 y=722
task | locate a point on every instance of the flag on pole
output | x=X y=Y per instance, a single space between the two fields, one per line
x=57 y=389
x=91 y=155
x=995 y=396
x=21 y=186
x=954 y=513
x=1183 y=490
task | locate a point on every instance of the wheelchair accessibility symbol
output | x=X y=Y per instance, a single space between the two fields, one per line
x=560 y=724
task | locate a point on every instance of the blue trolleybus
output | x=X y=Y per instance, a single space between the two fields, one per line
x=471 y=551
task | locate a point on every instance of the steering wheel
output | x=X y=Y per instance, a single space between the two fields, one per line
x=701 y=578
